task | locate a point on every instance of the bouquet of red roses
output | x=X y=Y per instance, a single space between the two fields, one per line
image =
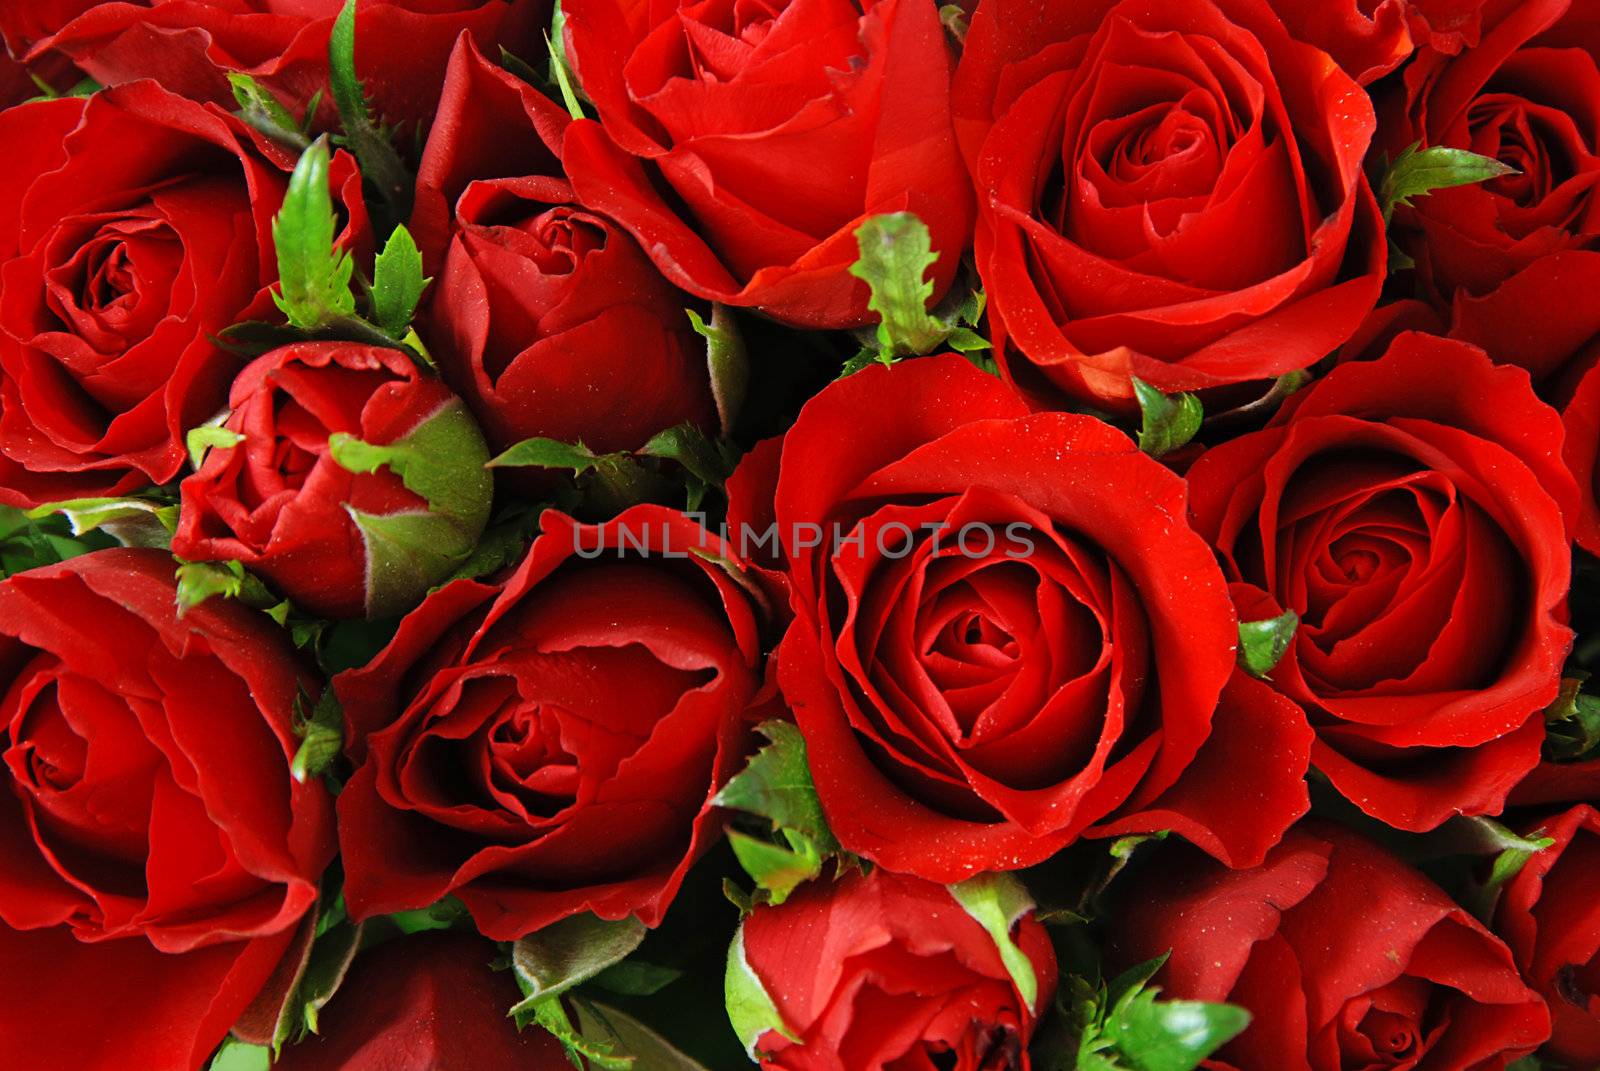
x=849 y=535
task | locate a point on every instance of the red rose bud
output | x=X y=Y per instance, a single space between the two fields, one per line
x=742 y=145
x=134 y=227
x=1006 y=634
x=1411 y=511
x=1547 y=914
x=1169 y=190
x=551 y=743
x=1344 y=956
x=159 y=857
x=346 y=477
x=885 y=970
x=431 y=1002
x=191 y=46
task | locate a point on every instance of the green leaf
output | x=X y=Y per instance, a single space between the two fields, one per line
x=236 y=1055
x=623 y=1033
x=728 y=361
x=381 y=166
x=1170 y=1035
x=563 y=78
x=1417 y=171
x=321 y=733
x=896 y=252
x=1170 y=421
x=776 y=785
x=866 y=359
x=689 y=447
x=553 y=960
x=441 y=915
x=1572 y=723
x=997 y=901
x=133 y=522
x=313 y=273
x=750 y=1006
x=547 y=454
x=582 y=1052
x=199 y=581
x=260 y=109
x=331 y=955
x=397 y=283
x=1262 y=644
x=203 y=439
x=635 y=978
x=777 y=869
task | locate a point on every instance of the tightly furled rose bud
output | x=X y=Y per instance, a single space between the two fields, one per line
x=357 y=481
x=887 y=970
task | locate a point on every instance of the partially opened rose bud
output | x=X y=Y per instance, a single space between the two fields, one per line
x=887 y=970
x=351 y=480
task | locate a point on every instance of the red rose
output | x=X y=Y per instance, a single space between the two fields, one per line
x=550 y=744
x=133 y=228
x=1167 y=190
x=337 y=542
x=549 y=319
x=892 y=971
x=1409 y=510
x=1582 y=421
x=425 y=1003
x=190 y=46
x=1509 y=251
x=158 y=853
x=1370 y=38
x=743 y=145
x=1547 y=915
x=1006 y=634
x=1344 y=956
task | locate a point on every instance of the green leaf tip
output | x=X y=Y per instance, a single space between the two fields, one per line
x=1418 y=171
x=1262 y=644
x=313 y=272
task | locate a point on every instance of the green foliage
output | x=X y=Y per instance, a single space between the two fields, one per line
x=1572 y=723
x=727 y=360
x=313 y=273
x=997 y=901
x=550 y=963
x=202 y=440
x=397 y=283
x=750 y=1008
x=132 y=522
x=1418 y=171
x=1262 y=644
x=381 y=167
x=199 y=581
x=321 y=733
x=1169 y=421
x=1124 y=1026
x=262 y=110
x=28 y=541
x=776 y=786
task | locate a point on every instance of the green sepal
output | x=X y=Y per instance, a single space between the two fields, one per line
x=313 y=272
x=1418 y=171
x=896 y=252
x=1262 y=644
x=727 y=360
x=1169 y=421
x=199 y=581
x=1170 y=1035
x=397 y=283
x=751 y=1010
x=321 y=733
x=997 y=902
x=1572 y=723
x=259 y=108
x=777 y=869
x=207 y=437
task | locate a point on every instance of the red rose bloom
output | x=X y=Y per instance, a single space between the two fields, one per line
x=190 y=46
x=133 y=227
x=1547 y=915
x=1344 y=956
x=888 y=971
x=1504 y=255
x=549 y=319
x=1409 y=510
x=742 y=145
x=426 y=1003
x=1581 y=419
x=158 y=854
x=325 y=536
x=1167 y=190
x=550 y=744
x=1370 y=38
x=1006 y=634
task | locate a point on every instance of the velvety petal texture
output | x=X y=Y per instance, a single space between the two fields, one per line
x=743 y=143
x=1005 y=631
x=1344 y=956
x=1412 y=511
x=885 y=972
x=1172 y=191
x=159 y=855
x=550 y=743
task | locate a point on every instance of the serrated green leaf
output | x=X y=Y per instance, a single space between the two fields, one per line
x=896 y=252
x=207 y=437
x=625 y=1034
x=727 y=360
x=1262 y=644
x=1170 y=1035
x=776 y=785
x=199 y=581
x=689 y=447
x=265 y=112
x=750 y=1008
x=546 y=454
x=553 y=960
x=1169 y=421
x=584 y=1053
x=321 y=732
x=996 y=902
x=313 y=273
x=381 y=166
x=397 y=283
x=777 y=869
x=1417 y=171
